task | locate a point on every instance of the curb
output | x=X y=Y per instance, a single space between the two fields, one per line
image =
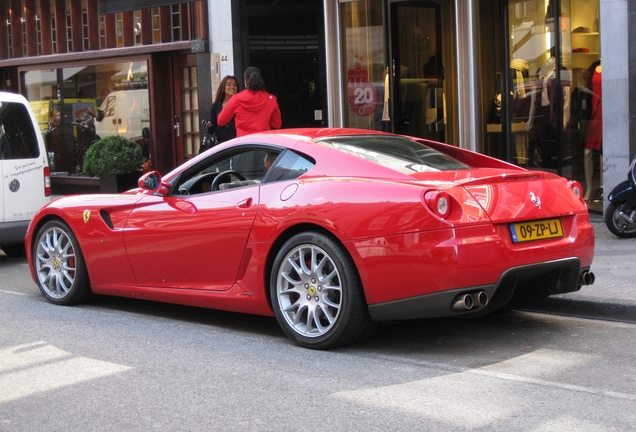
x=623 y=312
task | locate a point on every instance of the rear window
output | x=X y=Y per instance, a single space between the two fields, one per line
x=288 y=167
x=395 y=152
x=17 y=136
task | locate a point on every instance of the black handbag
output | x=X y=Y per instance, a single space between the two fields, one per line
x=208 y=141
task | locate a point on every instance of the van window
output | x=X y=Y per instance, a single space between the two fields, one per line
x=17 y=137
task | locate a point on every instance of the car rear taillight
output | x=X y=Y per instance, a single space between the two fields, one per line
x=47 y=181
x=577 y=190
x=439 y=202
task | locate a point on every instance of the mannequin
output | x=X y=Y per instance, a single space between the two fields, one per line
x=594 y=133
x=547 y=75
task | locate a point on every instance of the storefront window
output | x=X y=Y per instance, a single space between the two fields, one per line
x=587 y=95
x=554 y=78
x=365 y=64
x=98 y=101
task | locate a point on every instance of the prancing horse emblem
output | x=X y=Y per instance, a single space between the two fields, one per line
x=86 y=215
x=535 y=199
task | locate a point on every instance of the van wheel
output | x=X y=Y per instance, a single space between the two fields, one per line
x=59 y=265
x=14 y=250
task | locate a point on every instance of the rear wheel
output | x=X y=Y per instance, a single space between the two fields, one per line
x=59 y=265
x=616 y=223
x=316 y=293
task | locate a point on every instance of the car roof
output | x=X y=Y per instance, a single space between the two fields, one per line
x=12 y=97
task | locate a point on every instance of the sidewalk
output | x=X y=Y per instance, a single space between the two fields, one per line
x=613 y=295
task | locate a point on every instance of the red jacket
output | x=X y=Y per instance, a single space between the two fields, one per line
x=252 y=112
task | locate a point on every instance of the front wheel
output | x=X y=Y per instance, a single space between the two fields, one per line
x=617 y=223
x=316 y=293
x=59 y=265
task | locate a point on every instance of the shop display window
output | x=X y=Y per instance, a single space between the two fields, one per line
x=97 y=101
x=365 y=63
x=554 y=77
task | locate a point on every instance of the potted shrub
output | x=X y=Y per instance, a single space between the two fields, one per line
x=117 y=162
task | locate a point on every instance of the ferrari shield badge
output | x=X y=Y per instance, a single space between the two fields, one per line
x=87 y=215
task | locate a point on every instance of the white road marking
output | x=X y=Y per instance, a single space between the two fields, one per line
x=26 y=370
x=14 y=293
x=476 y=397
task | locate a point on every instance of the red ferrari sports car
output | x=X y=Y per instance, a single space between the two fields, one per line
x=330 y=230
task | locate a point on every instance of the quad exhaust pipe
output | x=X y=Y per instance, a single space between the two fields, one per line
x=469 y=301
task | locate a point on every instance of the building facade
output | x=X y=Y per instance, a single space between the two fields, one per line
x=90 y=72
x=519 y=80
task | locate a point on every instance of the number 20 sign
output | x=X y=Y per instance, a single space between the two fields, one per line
x=363 y=98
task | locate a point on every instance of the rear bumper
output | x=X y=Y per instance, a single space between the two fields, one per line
x=515 y=287
x=13 y=232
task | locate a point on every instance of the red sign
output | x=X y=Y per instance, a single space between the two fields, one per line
x=363 y=95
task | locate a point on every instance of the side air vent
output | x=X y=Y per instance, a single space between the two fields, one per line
x=106 y=217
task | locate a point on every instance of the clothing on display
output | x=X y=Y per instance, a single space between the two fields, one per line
x=594 y=132
x=594 y=135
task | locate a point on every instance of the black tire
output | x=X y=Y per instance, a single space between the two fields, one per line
x=538 y=156
x=14 y=250
x=316 y=293
x=616 y=224
x=59 y=265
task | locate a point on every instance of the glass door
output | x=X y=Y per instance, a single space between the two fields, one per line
x=186 y=108
x=418 y=101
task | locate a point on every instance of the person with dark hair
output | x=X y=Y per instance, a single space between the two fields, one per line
x=253 y=109
x=227 y=88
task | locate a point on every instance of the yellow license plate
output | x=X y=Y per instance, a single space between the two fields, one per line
x=536 y=230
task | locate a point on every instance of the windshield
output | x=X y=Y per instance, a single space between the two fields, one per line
x=395 y=152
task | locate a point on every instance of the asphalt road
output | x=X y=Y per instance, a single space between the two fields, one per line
x=128 y=365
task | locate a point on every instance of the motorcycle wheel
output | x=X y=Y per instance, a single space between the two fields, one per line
x=617 y=225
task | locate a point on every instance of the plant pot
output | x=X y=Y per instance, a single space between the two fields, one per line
x=119 y=183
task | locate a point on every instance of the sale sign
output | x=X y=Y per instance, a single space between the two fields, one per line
x=363 y=95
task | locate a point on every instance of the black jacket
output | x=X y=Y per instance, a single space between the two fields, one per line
x=223 y=133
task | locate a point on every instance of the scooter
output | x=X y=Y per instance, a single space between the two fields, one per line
x=620 y=216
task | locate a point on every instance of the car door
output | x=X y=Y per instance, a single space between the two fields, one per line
x=195 y=237
x=191 y=241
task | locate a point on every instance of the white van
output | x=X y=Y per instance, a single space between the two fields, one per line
x=24 y=170
x=125 y=113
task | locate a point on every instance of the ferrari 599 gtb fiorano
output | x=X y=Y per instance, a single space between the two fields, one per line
x=328 y=230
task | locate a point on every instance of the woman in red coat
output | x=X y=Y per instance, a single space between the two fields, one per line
x=253 y=109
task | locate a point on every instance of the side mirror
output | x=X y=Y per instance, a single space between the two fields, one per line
x=151 y=181
x=100 y=115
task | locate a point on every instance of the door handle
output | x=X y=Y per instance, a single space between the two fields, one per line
x=246 y=203
x=176 y=128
